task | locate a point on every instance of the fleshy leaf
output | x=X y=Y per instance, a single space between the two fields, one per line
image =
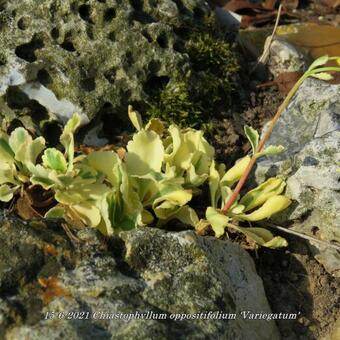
x=145 y=153
x=67 y=138
x=214 y=184
x=235 y=173
x=253 y=137
x=319 y=62
x=323 y=76
x=272 y=206
x=54 y=159
x=263 y=237
x=7 y=173
x=168 y=204
x=19 y=138
x=135 y=118
x=217 y=220
x=6 y=153
x=107 y=162
x=147 y=217
x=271 y=150
x=55 y=212
x=88 y=213
x=259 y=195
x=156 y=125
x=187 y=216
x=6 y=192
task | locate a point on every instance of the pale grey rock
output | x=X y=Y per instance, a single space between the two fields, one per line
x=310 y=132
x=284 y=57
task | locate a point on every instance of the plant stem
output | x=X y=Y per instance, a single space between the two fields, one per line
x=262 y=142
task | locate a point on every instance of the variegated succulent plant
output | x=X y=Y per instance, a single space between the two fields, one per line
x=155 y=181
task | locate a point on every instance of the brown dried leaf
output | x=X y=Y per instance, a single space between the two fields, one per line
x=285 y=81
x=51 y=289
x=331 y=3
x=34 y=202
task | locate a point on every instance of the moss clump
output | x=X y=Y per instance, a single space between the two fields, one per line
x=206 y=89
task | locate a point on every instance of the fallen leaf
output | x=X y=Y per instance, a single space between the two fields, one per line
x=259 y=13
x=285 y=81
x=51 y=289
x=34 y=202
x=331 y=3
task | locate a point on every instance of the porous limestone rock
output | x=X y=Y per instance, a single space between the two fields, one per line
x=309 y=129
x=90 y=56
x=142 y=271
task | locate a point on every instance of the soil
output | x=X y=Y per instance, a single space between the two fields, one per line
x=296 y=283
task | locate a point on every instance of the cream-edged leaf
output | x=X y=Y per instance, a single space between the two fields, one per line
x=67 y=138
x=7 y=192
x=106 y=162
x=217 y=220
x=235 y=173
x=87 y=212
x=55 y=160
x=259 y=195
x=187 y=216
x=319 y=62
x=271 y=150
x=155 y=125
x=272 y=206
x=135 y=118
x=7 y=173
x=6 y=153
x=55 y=212
x=322 y=76
x=253 y=137
x=169 y=203
x=145 y=153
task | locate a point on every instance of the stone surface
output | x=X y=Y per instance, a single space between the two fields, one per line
x=285 y=57
x=310 y=132
x=94 y=57
x=146 y=270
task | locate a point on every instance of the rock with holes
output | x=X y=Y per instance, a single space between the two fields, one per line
x=144 y=284
x=94 y=57
x=309 y=129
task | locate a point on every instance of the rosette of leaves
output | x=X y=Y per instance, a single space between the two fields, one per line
x=160 y=187
x=18 y=152
x=77 y=187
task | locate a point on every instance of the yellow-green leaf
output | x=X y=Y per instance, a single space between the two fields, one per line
x=135 y=118
x=55 y=160
x=55 y=212
x=257 y=196
x=235 y=173
x=217 y=220
x=145 y=153
x=272 y=206
x=88 y=213
x=6 y=192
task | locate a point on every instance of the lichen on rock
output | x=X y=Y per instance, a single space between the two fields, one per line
x=142 y=271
